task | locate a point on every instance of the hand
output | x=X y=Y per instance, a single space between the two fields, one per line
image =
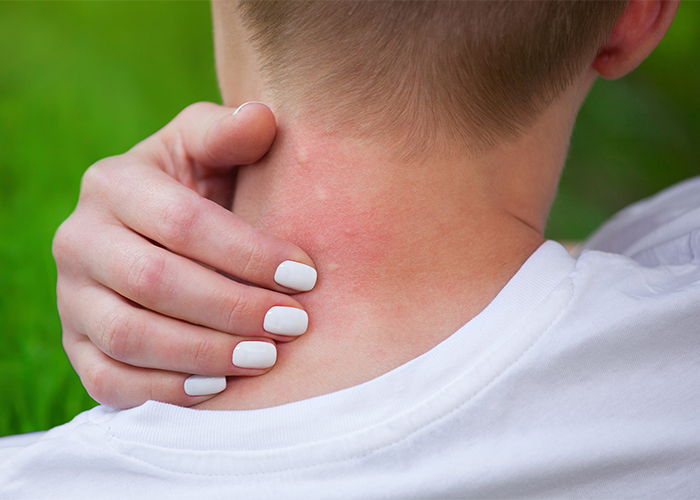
x=139 y=312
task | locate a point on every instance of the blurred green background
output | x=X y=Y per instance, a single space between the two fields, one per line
x=83 y=80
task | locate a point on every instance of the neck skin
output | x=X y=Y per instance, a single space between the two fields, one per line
x=407 y=251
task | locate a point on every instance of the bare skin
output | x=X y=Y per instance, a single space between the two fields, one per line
x=407 y=251
x=138 y=319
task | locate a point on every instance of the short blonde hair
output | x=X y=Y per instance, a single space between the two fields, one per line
x=476 y=72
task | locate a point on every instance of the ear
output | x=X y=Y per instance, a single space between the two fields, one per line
x=639 y=30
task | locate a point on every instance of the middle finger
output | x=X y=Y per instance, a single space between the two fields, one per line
x=178 y=287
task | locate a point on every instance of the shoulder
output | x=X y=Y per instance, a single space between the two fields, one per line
x=637 y=288
x=661 y=230
x=48 y=454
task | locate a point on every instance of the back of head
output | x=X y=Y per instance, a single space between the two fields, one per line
x=426 y=73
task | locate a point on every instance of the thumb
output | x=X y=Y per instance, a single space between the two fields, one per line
x=218 y=137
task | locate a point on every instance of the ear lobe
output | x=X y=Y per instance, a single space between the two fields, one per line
x=639 y=30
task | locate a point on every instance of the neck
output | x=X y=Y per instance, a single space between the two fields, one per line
x=407 y=250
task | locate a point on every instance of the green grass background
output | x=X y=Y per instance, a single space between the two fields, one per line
x=83 y=80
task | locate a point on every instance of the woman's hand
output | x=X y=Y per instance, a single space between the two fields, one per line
x=139 y=311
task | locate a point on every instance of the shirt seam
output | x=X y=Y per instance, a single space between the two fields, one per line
x=113 y=438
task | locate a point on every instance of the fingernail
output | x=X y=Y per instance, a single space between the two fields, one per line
x=296 y=275
x=286 y=321
x=253 y=354
x=245 y=104
x=201 y=385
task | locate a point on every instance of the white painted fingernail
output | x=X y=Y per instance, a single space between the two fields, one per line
x=253 y=354
x=245 y=104
x=201 y=385
x=296 y=275
x=286 y=321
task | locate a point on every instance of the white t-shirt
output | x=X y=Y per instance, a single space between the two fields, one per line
x=580 y=379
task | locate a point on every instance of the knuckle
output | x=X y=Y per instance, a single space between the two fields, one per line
x=66 y=306
x=146 y=275
x=205 y=355
x=102 y=177
x=62 y=241
x=256 y=259
x=158 y=389
x=98 y=177
x=178 y=222
x=238 y=306
x=70 y=241
x=93 y=179
x=120 y=334
x=97 y=382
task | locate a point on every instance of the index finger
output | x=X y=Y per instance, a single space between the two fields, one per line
x=153 y=204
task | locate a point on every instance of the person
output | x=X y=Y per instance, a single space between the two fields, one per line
x=451 y=352
x=101 y=305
